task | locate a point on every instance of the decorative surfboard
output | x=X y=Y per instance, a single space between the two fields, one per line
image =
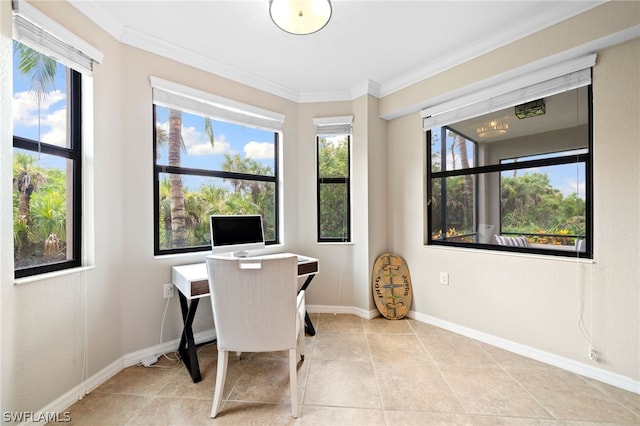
x=391 y=286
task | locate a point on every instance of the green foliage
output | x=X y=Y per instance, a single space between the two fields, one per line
x=231 y=196
x=530 y=205
x=333 y=163
x=39 y=208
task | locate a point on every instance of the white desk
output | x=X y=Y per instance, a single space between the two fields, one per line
x=192 y=282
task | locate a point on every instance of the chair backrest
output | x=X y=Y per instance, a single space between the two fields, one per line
x=254 y=302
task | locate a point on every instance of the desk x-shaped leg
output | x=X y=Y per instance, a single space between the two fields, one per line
x=308 y=328
x=187 y=347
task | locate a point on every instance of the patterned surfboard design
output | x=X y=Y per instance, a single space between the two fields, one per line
x=391 y=284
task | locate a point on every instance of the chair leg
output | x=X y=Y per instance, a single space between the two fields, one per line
x=293 y=381
x=221 y=376
x=301 y=340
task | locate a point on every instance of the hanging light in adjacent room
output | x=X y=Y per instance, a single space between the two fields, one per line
x=300 y=16
x=493 y=128
x=530 y=109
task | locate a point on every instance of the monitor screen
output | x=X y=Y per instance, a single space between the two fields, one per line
x=236 y=234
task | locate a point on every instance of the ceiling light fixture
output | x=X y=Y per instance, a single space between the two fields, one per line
x=493 y=128
x=300 y=16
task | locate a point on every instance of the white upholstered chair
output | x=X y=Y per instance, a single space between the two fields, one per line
x=256 y=309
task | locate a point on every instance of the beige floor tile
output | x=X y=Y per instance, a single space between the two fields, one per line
x=628 y=399
x=343 y=323
x=182 y=384
x=421 y=418
x=387 y=326
x=514 y=421
x=98 y=408
x=396 y=348
x=491 y=391
x=341 y=384
x=341 y=346
x=137 y=380
x=422 y=329
x=360 y=372
x=456 y=350
x=264 y=380
x=414 y=386
x=509 y=360
x=323 y=416
x=252 y=413
x=569 y=396
x=174 y=411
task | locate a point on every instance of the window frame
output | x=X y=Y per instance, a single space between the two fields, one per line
x=158 y=169
x=586 y=158
x=346 y=181
x=73 y=153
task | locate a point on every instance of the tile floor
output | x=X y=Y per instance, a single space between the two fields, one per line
x=364 y=372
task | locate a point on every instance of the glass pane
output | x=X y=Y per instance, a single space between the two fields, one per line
x=40 y=94
x=547 y=204
x=333 y=211
x=454 y=199
x=42 y=209
x=333 y=156
x=208 y=144
x=459 y=152
x=186 y=202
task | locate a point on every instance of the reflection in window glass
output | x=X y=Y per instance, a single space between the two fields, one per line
x=513 y=181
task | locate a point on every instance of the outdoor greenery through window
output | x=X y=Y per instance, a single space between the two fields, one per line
x=46 y=163
x=334 y=210
x=515 y=179
x=203 y=166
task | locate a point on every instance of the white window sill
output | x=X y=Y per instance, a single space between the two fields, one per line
x=51 y=275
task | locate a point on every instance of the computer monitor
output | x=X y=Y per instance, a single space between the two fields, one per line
x=236 y=234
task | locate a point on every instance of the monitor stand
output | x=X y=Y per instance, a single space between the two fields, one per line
x=242 y=253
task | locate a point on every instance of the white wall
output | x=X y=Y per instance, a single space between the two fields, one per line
x=536 y=301
x=122 y=293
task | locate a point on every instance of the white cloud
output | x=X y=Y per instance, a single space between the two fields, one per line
x=259 y=150
x=53 y=121
x=198 y=144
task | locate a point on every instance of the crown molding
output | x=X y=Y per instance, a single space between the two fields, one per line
x=145 y=42
x=542 y=65
x=486 y=45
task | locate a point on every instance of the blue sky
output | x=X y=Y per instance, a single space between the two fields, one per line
x=229 y=138
x=48 y=122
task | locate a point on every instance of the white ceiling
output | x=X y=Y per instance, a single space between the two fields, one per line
x=375 y=47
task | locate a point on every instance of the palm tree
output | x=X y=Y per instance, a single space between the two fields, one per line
x=26 y=180
x=41 y=71
x=176 y=197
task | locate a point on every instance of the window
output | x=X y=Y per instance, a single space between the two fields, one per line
x=517 y=178
x=333 y=139
x=205 y=164
x=47 y=143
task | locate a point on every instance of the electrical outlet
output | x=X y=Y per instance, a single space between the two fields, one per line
x=444 y=278
x=168 y=291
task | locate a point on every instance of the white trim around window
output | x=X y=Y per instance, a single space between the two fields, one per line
x=549 y=81
x=173 y=95
x=36 y=30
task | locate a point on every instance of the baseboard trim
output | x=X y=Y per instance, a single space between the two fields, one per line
x=580 y=368
x=330 y=309
x=61 y=404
